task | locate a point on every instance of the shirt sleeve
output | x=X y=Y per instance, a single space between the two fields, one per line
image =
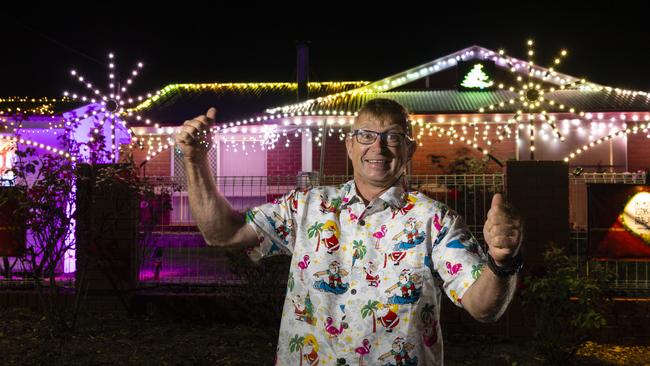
x=457 y=256
x=274 y=224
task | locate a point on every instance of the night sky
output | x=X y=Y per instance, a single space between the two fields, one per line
x=193 y=45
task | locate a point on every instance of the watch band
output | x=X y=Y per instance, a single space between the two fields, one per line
x=506 y=271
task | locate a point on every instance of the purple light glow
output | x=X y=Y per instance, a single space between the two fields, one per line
x=90 y=115
x=69 y=258
x=183 y=257
x=37 y=132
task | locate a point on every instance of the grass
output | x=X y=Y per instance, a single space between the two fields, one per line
x=111 y=339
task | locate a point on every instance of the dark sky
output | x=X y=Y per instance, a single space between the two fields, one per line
x=193 y=45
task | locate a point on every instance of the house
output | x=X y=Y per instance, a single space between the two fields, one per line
x=495 y=105
x=474 y=102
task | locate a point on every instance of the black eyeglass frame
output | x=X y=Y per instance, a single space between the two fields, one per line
x=382 y=135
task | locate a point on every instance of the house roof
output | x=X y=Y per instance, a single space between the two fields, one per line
x=179 y=102
x=420 y=98
x=28 y=106
x=245 y=101
x=453 y=101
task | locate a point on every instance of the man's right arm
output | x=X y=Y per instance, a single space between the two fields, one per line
x=219 y=223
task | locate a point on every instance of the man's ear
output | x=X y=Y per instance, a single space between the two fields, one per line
x=348 y=146
x=411 y=150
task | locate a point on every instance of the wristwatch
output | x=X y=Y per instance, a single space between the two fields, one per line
x=506 y=271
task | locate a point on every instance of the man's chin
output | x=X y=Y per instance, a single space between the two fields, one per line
x=379 y=179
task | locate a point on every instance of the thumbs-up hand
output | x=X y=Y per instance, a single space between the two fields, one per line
x=503 y=231
x=194 y=138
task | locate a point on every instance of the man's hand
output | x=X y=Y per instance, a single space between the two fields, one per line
x=503 y=231
x=195 y=138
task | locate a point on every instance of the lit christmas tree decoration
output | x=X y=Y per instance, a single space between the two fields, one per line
x=477 y=78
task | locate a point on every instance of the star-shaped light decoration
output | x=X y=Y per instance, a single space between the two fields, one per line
x=115 y=104
x=531 y=98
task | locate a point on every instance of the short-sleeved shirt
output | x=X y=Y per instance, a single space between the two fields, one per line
x=365 y=281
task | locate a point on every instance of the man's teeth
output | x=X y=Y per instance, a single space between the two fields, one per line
x=375 y=161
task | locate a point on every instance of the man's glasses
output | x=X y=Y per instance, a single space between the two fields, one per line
x=392 y=139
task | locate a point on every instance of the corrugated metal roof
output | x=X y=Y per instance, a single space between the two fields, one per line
x=452 y=101
x=233 y=101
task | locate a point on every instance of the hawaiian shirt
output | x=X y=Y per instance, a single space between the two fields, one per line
x=365 y=281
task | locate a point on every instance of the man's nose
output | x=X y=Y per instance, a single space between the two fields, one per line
x=379 y=144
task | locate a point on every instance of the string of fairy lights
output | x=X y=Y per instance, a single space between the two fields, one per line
x=39 y=106
x=269 y=135
x=472 y=131
x=327 y=115
x=28 y=142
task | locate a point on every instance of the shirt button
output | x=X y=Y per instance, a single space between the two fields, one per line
x=362 y=222
x=353 y=291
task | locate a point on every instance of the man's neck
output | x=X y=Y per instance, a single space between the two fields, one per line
x=369 y=193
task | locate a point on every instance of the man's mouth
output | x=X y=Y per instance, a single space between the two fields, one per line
x=377 y=162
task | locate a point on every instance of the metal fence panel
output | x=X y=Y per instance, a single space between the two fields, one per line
x=631 y=278
x=176 y=251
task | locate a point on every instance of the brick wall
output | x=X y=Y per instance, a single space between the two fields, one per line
x=336 y=158
x=638 y=152
x=434 y=145
x=288 y=161
x=158 y=165
x=285 y=160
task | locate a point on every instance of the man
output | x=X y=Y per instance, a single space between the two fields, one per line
x=448 y=258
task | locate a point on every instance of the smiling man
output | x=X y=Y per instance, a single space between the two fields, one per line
x=419 y=247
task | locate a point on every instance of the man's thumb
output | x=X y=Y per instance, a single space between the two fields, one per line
x=212 y=114
x=497 y=200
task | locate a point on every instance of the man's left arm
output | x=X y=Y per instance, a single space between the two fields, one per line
x=489 y=296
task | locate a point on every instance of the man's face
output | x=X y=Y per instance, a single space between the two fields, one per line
x=378 y=164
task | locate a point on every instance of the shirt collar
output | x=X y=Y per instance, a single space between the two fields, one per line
x=395 y=196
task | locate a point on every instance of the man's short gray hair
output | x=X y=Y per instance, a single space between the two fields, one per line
x=384 y=107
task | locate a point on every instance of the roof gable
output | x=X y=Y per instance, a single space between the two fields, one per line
x=406 y=87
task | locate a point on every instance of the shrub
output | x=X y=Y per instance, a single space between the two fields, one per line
x=567 y=306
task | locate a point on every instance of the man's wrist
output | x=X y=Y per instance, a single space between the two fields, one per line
x=513 y=266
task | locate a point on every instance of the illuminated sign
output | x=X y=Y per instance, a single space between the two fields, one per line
x=636 y=216
x=6 y=156
x=619 y=221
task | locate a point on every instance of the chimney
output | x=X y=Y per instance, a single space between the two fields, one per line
x=302 y=53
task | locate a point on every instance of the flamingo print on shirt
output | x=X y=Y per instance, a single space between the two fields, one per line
x=332 y=330
x=379 y=234
x=303 y=264
x=363 y=350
